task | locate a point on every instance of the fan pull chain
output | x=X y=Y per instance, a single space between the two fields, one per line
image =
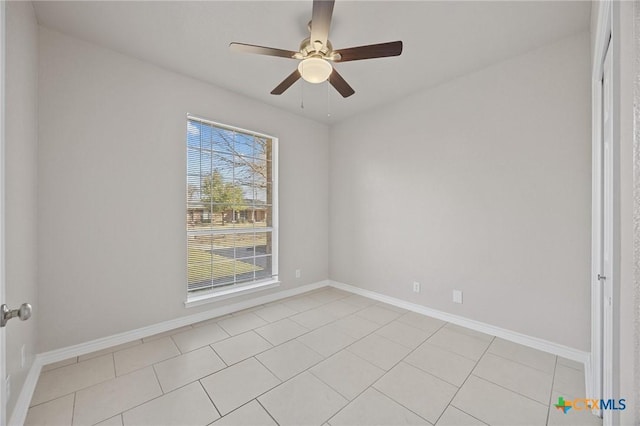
x=328 y=99
x=302 y=91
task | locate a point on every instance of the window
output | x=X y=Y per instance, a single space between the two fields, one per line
x=231 y=209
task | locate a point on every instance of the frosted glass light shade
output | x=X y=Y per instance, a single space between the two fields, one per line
x=315 y=70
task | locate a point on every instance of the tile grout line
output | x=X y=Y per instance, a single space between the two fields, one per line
x=259 y=353
x=238 y=407
x=580 y=370
x=301 y=335
x=76 y=390
x=232 y=411
x=121 y=413
x=269 y=323
x=490 y=381
x=106 y=351
x=526 y=365
x=210 y=399
x=306 y=331
x=274 y=375
x=160 y=385
x=510 y=390
x=257 y=396
x=462 y=411
x=230 y=363
x=357 y=356
x=465 y=381
x=308 y=369
x=266 y=411
x=229 y=335
x=432 y=375
x=466 y=335
x=387 y=372
x=221 y=359
x=331 y=387
x=472 y=335
x=281 y=343
x=174 y=342
x=154 y=363
x=416 y=328
x=165 y=334
x=148 y=400
x=155 y=374
x=502 y=386
x=385 y=338
x=553 y=380
x=203 y=346
x=73 y=409
x=60 y=366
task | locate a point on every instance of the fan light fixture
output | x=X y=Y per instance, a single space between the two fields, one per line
x=315 y=70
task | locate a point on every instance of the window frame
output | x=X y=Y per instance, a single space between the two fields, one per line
x=251 y=286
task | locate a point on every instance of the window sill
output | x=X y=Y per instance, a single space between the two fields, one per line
x=230 y=293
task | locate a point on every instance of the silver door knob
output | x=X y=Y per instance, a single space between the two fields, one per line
x=24 y=313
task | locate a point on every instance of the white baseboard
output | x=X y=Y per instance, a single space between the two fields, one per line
x=21 y=408
x=513 y=336
x=139 y=333
x=24 y=399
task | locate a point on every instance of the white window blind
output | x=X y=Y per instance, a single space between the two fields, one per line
x=231 y=233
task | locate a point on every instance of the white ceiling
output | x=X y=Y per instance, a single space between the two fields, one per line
x=442 y=40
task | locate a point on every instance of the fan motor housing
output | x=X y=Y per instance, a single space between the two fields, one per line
x=307 y=49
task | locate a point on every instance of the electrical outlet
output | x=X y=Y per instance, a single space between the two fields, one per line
x=416 y=287
x=23 y=356
x=457 y=296
x=298 y=273
x=7 y=386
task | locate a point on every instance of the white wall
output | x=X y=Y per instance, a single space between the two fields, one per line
x=21 y=176
x=112 y=189
x=481 y=184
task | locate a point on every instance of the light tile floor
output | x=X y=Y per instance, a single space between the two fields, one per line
x=324 y=357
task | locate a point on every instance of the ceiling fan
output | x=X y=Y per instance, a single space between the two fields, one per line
x=316 y=53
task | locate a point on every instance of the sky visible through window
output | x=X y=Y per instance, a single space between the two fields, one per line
x=239 y=158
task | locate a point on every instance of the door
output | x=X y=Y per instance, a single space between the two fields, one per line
x=3 y=372
x=606 y=277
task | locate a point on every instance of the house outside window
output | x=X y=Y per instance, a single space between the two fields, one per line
x=231 y=209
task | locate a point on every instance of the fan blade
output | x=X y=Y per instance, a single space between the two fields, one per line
x=382 y=50
x=340 y=84
x=321 y=20
x=260 y=50
x=286 y=83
